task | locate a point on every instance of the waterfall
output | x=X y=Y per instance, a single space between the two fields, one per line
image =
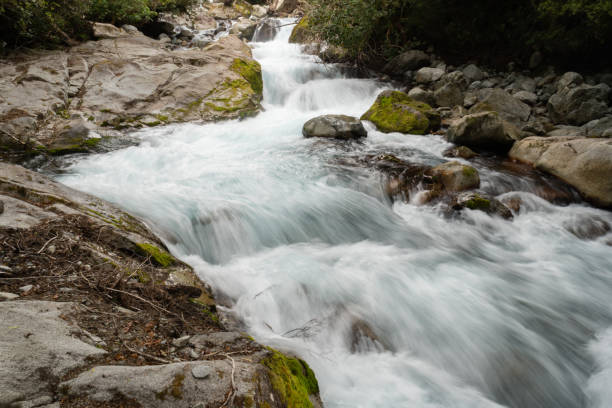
x=392 y=304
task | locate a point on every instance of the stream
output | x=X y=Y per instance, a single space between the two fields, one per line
x=391 y=303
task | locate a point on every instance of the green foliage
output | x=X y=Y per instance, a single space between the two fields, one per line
x=49 y=23
x=375 y=30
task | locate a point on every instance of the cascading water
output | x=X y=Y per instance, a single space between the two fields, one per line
x=393 y=305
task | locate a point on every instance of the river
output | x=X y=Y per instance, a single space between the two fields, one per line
x=391 y=303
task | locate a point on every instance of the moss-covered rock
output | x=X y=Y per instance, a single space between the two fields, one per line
x=454 y=176
x=157 y=255
x=292 y=379
x=302 y=32
x=395 y=111
x=251 y=72
x=481 y=202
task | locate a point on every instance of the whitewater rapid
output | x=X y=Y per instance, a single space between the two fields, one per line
x=392 y=304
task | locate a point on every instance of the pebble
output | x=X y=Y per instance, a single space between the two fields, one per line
x=66 y=290
x=201 y=371
x=51 y=249
x=193 y=353
x=181 y=341
x=8 y=296
x=5 y=268
x=26 y=288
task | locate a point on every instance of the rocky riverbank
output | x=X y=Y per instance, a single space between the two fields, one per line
x=560 y=124
x=96 y=313
x=94 y=310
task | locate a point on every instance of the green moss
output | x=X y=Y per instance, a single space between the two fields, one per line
x=162 y=118
x=478 y=203
x=158 y=255
x=251 y=72
x=301 y=33
x=292 y=379
x=469 y=171
x=76 y=145
x=153 y=124
x=243 y=7
x=395 y=111
x=175 y=389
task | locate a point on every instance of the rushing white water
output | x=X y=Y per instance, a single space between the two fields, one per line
x=393 y=305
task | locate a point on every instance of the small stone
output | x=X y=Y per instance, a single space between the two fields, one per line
x=8 y=296
x=51 y=249
x=66 y=290
x=201 y=371
x=181 y=341
x=193 y=353
x=5 y=269
x=26 y=288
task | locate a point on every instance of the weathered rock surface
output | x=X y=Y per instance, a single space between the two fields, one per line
x=428 y=75
x=410 y=60
x=509 y=108
x=334 y=126
x=586 y=164
x=41 y=344
x=580 y=104
x=37 y=347
x=127 y=81
x=395 y=111
x=486 y=130
x=421 y=95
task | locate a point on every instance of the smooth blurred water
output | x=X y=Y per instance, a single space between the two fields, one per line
x=469 y=312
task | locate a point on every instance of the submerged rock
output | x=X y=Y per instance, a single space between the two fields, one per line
x=481 y=202
x=586 y=164
x=460 y=151
x=395 y=111
x=486 y=130
x=455 y=176
x=334 y=126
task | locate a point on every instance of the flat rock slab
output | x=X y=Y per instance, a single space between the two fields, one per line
x=170 y=385
x=37 y=347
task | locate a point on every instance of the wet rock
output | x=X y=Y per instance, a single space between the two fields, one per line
x=454 y=176
x=244 y=29
x=421 y=95
x=395 y=111
x=364 y=339
x=586 y=164
x=585 y=226
x=462 y=152
x=481 y=202
x=484 y=130
x=267 y=30
x=410 y=60
x=26 y=288
x=428 y=75
x=509 y=108
x=38 y=347
x=473 y=73
x=334 y=126
x=579 y=105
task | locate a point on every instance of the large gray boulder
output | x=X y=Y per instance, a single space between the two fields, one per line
x=473 y=73
x=411 y=60
x=485 y=130
x=449 y=95
x=335 y=127
x=127 y=81
x=579 y=104
x=509 y=108
x=421 y=95
x=37 y=346
x=428 y=75
x=584 y=163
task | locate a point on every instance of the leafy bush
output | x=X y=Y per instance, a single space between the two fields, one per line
x=48 y=23
x=574 y=32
